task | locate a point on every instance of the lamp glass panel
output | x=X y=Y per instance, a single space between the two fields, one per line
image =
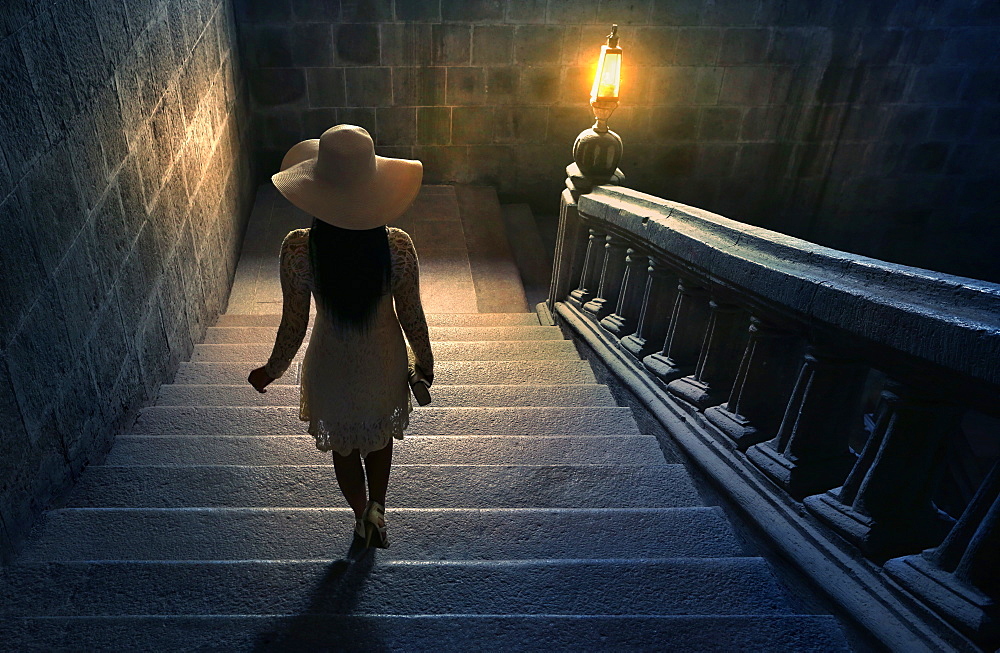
x=607 y=80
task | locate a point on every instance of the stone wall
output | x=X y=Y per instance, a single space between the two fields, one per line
x=124 y=191
x=865 y=126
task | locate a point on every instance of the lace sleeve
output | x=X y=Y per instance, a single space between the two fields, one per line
x=295 y=276
x=406 y=293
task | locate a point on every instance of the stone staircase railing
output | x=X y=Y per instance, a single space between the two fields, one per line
x=757 y=352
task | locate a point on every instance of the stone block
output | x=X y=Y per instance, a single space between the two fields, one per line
x=527 y=11
x=277 y=86
x=472 y=125
x=624 y=12
x=491 y=164
x=13 y=438
x=926 y=158
x=357 y=43
x=466 y=86
x=762 y=123
x=21 y=264
x=87 y=159
x=271 y=46
x=46 y=65
x=565 y=124
x=368 y=86
x=698 y=46
x=116 y=37
x=730 y=12
x=908 y=124
x=502 y=84
x=81 y=44
x=396 y=125
x=269 y=11
x=317 y=121
x=434 y=125
x=715 y=160
x=685 y=13
x=674 y=123
x=465 y=11
x=520 y=124
x=78 y=418
x=443 y=163
x=653 y=46
x=53 y=201
x=719 y=123
x=884 y=84
x=936 y=85
x=319 y=11
x=424 y=86
x=744 y=46
x=492 y=44
x=539 y=85
x=38 y=357
x=326 y=87
x=110 y=129
x=451 y=44
x=538 y=44
x=572 y=12
x=983 y=86
x=361 y=116
x=428 y=11
x=80 y=288
x=408 y=44
x=366 y=11
x=746 y=85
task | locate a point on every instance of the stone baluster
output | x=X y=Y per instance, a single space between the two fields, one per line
x=966 y=565
x=718 y=360
x=590 y=269
x=623 y=321
x=684 y=334
x=811 y=453
x=612 y=274
x=763 y=384
x=884 y=507
x=652 y=325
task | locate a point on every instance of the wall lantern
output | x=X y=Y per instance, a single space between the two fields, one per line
x=598 y=150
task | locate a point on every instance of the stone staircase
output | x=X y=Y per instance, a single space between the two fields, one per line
x=527 y=511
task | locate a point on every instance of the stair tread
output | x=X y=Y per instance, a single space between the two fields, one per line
x=493 y=350
x=265 y=335
x=433 y=319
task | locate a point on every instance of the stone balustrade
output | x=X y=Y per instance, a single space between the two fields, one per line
x=754 y=349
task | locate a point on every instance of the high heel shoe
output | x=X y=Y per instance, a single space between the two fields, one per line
x=376 y=534
x=359 y=528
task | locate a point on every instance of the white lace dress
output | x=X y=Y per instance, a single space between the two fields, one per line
x=354 y=390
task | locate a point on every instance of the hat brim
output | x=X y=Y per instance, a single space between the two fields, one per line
x=381 y=200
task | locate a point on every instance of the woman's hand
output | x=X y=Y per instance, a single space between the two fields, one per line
x=259 y=379
x=429 y=378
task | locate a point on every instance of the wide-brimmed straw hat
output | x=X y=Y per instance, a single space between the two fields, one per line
x=339 y=179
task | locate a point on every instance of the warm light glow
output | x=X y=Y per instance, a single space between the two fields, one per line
x=607 y=80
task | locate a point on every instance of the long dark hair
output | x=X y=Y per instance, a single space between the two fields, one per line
x=352 y=270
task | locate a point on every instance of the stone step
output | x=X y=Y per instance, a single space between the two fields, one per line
x=433 y=319
x=412 y=486
x=445 y=372
x=284 y=420
x=231 y=335
x=499 y=350
x=733 y=586
x=445 y=396
x=413 y=450
x=417 y=534
x=315 y=632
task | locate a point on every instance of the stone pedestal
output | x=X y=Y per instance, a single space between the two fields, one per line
x=653 y=323
x=623 y=320
x=760 y=392
x=718 y=361
x=684 y=334
x=810 y=453
x=884 y=507
x=590 y=270
x=612 y=275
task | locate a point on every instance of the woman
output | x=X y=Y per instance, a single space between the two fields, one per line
x=354 y=379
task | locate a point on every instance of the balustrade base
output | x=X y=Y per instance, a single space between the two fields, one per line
x=665 y=369
x=735 y=427
x=579 y=297
x=617 y=325
x=971 y=611
x=695 y=392
x=597 y=308
x=637 y=346
x=878 y=539
x=800 y=479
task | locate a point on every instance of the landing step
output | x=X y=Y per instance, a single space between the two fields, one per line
x=413 y=450
x=433 y=319
x=418 y=534
x=445 y=372
x=265 y=335
x=284 y=420
x=498 y=350
x=413 y=486
x=444 y=396
x=726 y=586
x=736 y=634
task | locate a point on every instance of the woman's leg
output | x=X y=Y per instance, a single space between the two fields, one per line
x=377 y=465
x=351 y=479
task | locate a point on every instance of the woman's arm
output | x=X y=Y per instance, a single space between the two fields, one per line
x=295 y=303
x=406 y=293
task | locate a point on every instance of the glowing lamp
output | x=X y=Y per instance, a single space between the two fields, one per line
x=598 y=150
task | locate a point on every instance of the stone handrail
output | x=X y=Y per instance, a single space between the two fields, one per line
x=758 y=352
